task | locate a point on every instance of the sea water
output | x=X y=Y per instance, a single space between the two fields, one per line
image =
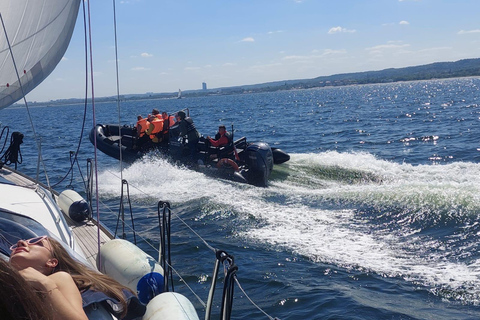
x=374 y=217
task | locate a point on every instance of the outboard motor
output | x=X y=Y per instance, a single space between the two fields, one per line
x=259 y=162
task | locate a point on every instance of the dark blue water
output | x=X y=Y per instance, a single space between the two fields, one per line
x=374 y=217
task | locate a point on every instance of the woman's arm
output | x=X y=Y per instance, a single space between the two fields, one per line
x=60 y=290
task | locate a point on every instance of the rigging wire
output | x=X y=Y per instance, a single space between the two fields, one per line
x=118 y=89
x=85 y=106
x=94 y=120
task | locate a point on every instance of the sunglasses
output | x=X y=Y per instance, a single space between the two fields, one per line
x=33 y=241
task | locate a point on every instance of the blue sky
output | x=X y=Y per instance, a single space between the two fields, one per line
x=166 y=45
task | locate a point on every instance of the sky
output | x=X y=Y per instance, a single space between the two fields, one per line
x=167 y=45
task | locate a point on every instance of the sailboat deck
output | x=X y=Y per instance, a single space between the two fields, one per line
x=85 y=233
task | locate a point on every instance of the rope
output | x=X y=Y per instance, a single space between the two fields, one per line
x=6 y=137
x=13 y=152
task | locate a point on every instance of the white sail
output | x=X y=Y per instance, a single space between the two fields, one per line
x=39 y=32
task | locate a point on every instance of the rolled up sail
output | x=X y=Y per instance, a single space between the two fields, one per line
x=39 y=33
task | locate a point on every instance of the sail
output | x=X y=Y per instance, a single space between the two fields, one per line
x=39 y=32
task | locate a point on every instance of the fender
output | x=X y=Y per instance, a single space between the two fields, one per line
x=229 y=162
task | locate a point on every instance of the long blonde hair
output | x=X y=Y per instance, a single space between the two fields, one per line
x=86 y=278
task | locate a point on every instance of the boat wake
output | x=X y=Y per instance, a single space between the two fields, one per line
x=352 y=210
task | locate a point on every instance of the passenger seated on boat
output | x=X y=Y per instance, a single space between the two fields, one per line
x=156 y=113
x=18 y=300
x=155 y=129
x=50 y=269
x=168 y=121
x=142 y=126
x=223 y=143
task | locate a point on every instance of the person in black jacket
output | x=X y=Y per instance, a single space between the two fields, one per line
x=189 y=132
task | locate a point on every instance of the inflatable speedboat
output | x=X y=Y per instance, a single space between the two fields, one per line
x=241 y=161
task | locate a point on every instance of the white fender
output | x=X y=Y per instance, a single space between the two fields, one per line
x=73 y=205
x=170 y=306
x=128 y=264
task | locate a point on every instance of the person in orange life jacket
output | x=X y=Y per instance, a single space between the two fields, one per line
x=142 y=126
x=155 y=127
x=156 y=113
x=142 y=139
x=168 y=121
x=188 y=130
x=222 y=138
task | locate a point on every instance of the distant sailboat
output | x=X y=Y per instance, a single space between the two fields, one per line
x=179 y=96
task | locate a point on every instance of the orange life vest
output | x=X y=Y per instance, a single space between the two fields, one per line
x=157 y=127
x=170 y=121
x=143 y=123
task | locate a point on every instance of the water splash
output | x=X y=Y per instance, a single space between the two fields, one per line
x=347 y=209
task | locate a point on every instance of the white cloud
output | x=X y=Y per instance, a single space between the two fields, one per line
x=248 y=39
x=403 y=22
x=146 y=55
x=295 y=58
x=387 y=46
x=140 y=69
x=329 y=52
x=469 y=31
x=229 y=64
x=340 y=30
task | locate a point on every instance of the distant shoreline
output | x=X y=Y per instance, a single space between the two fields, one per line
x=438 y=70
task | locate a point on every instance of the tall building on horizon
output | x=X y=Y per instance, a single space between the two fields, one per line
x=204 y=86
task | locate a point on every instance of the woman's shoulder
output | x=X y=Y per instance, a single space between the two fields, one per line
x=61 y=277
